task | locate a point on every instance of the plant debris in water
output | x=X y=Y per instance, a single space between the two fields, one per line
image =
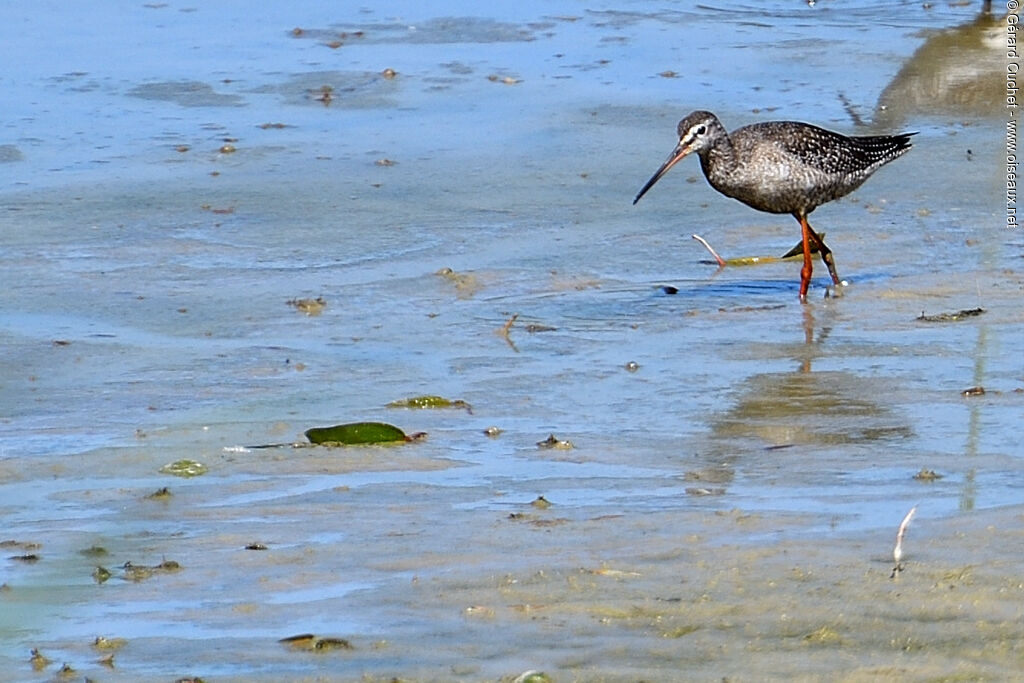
x=705 y=491
x=897 y=552
x=309 y=306
x=503 y=331
x=184 y=468
x=466 y=284
x=950 y=317
x=39 y=661
x=328 y=644
x=23 y=545
x=355 y=433
x=554 y=442
x=313 y=643
x=134 y=572
x=29 y=558
x=102 y=643
x=796 y=251
x=431 y=402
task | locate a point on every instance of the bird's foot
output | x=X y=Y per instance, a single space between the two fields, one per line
x=836 y=291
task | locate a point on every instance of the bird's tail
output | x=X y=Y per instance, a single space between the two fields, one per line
x=881 y=149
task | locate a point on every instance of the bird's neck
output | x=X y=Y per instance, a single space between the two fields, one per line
x=719 y=161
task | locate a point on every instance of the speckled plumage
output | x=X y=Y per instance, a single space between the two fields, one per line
x=782 y=167
x=787 y=167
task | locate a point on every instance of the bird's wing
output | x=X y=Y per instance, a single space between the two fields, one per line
x=831 y=152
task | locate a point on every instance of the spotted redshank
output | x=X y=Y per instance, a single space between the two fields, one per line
x=782 y=167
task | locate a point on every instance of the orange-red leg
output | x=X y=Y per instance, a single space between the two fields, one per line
x=826 y=254
x=805 y=272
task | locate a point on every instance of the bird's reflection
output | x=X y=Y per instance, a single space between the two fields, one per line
x=958 y=71
x=803 y=406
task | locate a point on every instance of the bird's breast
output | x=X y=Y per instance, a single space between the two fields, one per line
x=773 y=188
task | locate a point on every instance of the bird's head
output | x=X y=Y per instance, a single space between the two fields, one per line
x=697 y=132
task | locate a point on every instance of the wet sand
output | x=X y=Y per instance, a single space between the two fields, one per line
x=741 y=462
x=426 y=585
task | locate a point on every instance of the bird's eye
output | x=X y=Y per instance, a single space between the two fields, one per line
x=701 y=130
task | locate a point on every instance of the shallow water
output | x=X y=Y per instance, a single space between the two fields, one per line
x=729 y=506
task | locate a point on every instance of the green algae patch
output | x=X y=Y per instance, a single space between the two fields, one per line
x=357 y=433
x=796 y=252
x=751 y=260
x=184 y=468
x=431 y=401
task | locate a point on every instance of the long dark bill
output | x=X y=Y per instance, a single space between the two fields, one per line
x=678 y=153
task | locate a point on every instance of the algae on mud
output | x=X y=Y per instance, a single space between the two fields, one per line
x=431 y=401
x=184 y=468
x=358 y=433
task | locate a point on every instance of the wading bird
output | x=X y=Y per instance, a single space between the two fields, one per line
x=782 y=167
